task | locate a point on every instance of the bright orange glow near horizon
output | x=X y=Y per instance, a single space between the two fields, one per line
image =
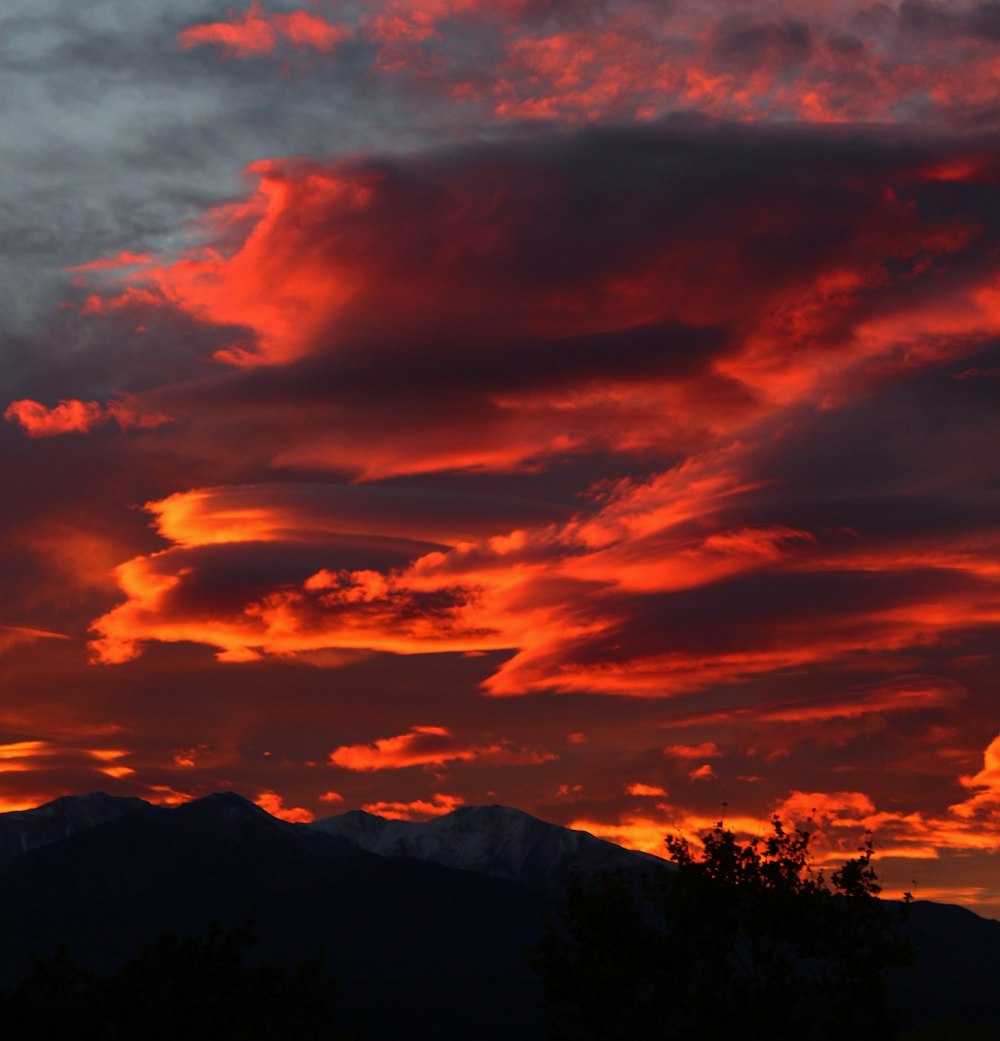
x=589 y=408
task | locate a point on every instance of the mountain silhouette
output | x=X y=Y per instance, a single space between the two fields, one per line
x=433 y=916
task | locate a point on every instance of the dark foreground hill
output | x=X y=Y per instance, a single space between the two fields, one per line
x=424 y=925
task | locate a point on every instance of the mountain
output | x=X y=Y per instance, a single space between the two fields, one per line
x=955 y=972
x=489 y=840
x=24 y=830
x=432 y=917
x=106 y=889
x=446 y=941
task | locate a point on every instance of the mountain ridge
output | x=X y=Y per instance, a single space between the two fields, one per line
x=496 y=840
x=111 y=874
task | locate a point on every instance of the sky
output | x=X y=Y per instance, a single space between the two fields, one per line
x=585 y=406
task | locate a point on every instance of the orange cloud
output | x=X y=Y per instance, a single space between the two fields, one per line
x=647 y=831
x=164 y=795
x=839 y=817
x=423 y=746
x=12 y=635
x=646 y=790
x=43 y=755
x=273 y=804
x=317 y=512
x=632 y=832
x=418 y=809
x=430 y=746
x=78 y=417
x=705 y=750
x=256 y=32
x=987 y=799
x=896 y=694
x=837 y=821
x=513 y=592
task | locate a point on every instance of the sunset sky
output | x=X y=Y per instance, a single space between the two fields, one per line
x=588 y=406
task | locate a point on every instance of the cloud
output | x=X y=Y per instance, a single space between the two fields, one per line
x=257 y=32
x=726 y=525
x=274 y=805
x=303 y=512
x=646 y=790
x=705 y=750
x=985 y=800
x=626 y=60
x=45 y=755
x=895 y=694
x=836 y=821
x=418 y=809
x=431 y=746
x=588 y=348
x=695 y=402
x=12 y=635
x=77 y=417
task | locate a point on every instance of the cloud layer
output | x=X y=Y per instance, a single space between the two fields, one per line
x=585 y=406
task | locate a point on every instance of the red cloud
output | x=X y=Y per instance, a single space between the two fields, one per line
x=257 y=32
x=120 y=260
x=78 y=417
x=589 y=348
x=66 y=417
x=629 y=60
x=430 y=746
x=707 y=570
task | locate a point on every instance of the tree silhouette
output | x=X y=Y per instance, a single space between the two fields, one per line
x=197 y=987
x=744 y=939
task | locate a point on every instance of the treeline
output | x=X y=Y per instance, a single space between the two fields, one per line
x=201 y=987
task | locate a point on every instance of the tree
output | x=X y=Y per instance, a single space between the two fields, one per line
x=202 y=986
x=742 y=939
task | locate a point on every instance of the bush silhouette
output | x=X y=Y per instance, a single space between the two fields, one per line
x=744 y=940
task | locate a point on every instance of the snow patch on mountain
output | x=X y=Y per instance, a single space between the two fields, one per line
x=24 y=830
x=492 y=840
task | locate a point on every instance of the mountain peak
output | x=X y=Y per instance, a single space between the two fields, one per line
x=495 y=840
x=23 y=830
x=226 y=807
